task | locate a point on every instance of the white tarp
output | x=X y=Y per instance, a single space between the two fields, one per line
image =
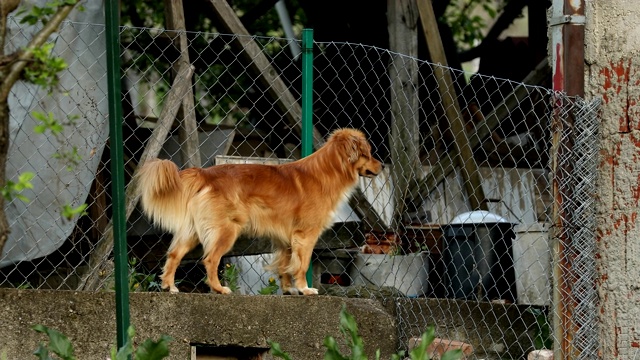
x=37 y=227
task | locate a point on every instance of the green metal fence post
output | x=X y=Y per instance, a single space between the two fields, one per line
x=307 y=106
x=112 y=19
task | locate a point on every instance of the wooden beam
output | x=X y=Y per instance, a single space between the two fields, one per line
x=93 y=279
x=465 y=159
x=483 y=130
x=188 y=130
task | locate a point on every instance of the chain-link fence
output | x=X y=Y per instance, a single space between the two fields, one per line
x=484 y=238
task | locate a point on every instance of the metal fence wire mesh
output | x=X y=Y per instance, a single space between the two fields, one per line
x=412 y=232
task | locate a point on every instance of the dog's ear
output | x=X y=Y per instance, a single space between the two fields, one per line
x=360 y=146
x=353 y=148
x=352 y=143
x=357 y=146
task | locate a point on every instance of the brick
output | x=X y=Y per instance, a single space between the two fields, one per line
x=440 y=346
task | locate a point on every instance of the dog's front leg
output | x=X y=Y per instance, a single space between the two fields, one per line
x=302 y=249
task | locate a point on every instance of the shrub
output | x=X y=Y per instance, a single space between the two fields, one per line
x=60 y=345
x=349 y=330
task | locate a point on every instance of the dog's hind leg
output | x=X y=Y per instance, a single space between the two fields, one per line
x=218 y=243
x=180 y=245
x=281 y=263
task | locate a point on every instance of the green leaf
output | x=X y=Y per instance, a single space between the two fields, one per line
x=332 y=352
x=349 y=327
x=270 y=289
x=277 y=351
x=26 y=177
x=153 y=350
x=42 y=352
x=127 y=349
x=40 y=116
x=56 y=128
x=452 y=355
x=420 y=351
x=39 y=129
x=69 y=213
x=59 y=344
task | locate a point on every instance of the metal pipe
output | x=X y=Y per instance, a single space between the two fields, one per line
x=112 y=16
x=567 y=54
x=283 y=14
x=307 y=105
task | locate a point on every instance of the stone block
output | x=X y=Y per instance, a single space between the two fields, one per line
x=540 y=355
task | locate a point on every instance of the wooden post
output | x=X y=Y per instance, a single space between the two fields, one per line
x=188 y=130
x=402 y=17
x=464 y=153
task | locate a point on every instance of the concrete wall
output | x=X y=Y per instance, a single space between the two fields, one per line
x=298 y=323
x=612 y=56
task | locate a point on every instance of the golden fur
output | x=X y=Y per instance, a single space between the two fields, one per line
x=291 y=204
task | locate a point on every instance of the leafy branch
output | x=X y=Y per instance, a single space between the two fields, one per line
x=13 y=189
x=13 y=67
x=52 y=20
x=466 y=24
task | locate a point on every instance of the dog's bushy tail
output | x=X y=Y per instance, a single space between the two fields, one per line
x=283 y=260
x=161 y=193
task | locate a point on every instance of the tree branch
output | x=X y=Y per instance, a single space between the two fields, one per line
x=6 y=7
x=27 y=54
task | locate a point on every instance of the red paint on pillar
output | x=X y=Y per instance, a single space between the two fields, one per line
x=616 y=79
x=558 y=74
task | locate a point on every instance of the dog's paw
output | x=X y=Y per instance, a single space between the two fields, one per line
x=290 y=291
x=309 y=291
x=171 y=287
x=225 y=290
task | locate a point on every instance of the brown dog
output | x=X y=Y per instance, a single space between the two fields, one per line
x=291 y=204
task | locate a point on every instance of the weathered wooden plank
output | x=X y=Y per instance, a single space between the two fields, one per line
x=188 y=130
x=464 y=153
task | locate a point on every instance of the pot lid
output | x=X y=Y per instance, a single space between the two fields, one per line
x=478 y=217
